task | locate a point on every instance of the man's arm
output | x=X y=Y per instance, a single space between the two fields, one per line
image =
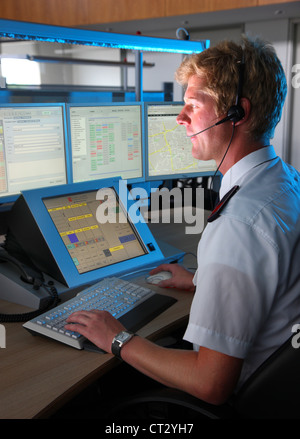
x=207 y=374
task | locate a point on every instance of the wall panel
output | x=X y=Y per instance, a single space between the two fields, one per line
x=84 y=12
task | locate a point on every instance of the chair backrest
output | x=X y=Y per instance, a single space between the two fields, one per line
x=273 y=391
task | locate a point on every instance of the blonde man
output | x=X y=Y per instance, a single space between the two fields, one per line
x=247 y=294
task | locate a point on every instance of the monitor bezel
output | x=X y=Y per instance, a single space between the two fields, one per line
x=34 y=200
x=11 y=198
x=109 y=104
x=174 y=176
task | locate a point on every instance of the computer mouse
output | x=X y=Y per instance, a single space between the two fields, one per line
x=158 y=277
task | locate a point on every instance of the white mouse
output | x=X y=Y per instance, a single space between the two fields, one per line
x=158 y=277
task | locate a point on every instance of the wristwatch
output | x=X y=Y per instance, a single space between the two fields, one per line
x=119 y=341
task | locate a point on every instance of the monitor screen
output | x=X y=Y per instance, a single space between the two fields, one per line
x=90 y=244
x=168 y=149
x=82 y=232
x=32 y=148
x=106 y=141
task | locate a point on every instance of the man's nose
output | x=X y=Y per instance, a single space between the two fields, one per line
x=183 y=118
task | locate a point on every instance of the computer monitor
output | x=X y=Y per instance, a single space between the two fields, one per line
x=168 y=149
x=106 y=141
x=82 y=232
x=32 y=148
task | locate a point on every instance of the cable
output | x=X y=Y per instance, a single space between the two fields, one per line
x=52 y=301
x=211 y=184
x=7 y=258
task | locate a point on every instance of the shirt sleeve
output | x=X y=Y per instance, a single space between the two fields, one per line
x=235 y=283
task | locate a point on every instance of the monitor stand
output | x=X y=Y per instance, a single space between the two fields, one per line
x=171 y=253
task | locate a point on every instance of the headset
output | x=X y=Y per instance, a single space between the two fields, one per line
x=234 y=114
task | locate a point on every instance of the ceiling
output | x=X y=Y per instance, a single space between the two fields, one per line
x=160 y=26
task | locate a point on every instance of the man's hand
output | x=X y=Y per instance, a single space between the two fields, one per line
x=99 y=327
x=181 y=277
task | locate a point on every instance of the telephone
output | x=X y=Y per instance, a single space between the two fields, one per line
x=35 y=281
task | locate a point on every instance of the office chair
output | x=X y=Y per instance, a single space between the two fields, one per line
x=273 y=391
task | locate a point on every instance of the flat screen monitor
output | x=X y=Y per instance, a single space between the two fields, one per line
x=82 y=232
x=106 y=141
x=32 y=148
x=168 y=149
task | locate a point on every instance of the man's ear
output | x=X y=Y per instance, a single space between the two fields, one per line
x=246 y=104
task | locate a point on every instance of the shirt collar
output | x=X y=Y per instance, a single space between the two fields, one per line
x=244 y=165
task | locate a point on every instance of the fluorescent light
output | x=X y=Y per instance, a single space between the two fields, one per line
x=39 y=32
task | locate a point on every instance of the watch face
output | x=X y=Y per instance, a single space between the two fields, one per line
x=123 y=336
x=119 y=340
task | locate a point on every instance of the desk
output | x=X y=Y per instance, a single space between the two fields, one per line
x=39 y=375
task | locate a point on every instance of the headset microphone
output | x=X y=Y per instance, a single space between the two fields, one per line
x=234 y=114
x=211 y=126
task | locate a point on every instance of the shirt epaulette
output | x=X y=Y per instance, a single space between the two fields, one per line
x=216 y=212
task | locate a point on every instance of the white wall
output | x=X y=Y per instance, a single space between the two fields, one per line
x=96 y=75
x=163 y=70
x=67 y=73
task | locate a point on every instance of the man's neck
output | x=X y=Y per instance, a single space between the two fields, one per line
x=240 y=148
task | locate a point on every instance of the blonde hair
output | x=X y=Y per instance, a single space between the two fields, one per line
x=264 y=82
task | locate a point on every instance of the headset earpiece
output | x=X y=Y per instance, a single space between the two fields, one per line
x=235 y=113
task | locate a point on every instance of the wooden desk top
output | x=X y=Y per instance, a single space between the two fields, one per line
x=39 y=375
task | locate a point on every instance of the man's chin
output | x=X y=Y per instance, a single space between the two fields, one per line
x=198 y=156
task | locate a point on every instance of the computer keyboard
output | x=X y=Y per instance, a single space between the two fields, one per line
x=130 y=303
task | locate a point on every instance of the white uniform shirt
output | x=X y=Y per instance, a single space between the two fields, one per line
x=248 y=279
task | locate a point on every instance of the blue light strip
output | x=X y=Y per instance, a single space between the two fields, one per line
x=56 y=34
